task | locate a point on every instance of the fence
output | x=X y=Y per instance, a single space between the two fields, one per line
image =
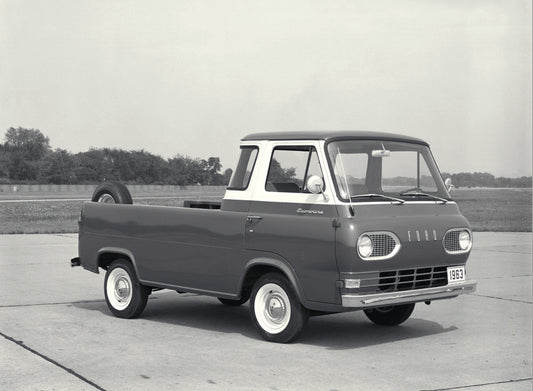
x=88 y=189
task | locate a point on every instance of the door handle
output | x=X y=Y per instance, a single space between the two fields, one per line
x=251 y=219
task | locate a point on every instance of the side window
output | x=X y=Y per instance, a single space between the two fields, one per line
x=290 y=167
x=313 y=168
x=242 y=174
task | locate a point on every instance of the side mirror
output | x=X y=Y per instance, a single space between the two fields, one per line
x=449 y=185
x=315 y=185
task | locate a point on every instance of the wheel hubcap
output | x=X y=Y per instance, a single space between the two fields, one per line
x=106 y=199
x=275 y=308
x=122 y=289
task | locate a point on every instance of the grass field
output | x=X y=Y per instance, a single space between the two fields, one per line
x=500 y=210
x=507 y=210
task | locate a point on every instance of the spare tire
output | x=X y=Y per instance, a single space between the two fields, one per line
x=112 y=193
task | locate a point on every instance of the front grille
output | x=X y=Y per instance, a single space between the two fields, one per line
x=407 y=279
x=451 y=241
x=384 y=244
x=403 y=279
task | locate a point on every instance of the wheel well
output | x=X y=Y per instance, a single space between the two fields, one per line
x=105 y=259
x=254 y=273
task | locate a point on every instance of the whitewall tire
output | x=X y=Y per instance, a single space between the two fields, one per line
x=276 y=310
x=126 y=297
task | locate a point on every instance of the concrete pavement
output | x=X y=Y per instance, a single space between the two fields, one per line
x=56 y=333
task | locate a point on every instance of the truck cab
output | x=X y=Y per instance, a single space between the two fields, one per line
x=373 y=202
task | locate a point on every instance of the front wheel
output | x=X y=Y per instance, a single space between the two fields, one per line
x=125 y=296
x=390 y=316
x=276 y=311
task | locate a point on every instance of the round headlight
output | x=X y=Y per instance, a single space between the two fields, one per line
x=364 y=246
x=465 y=240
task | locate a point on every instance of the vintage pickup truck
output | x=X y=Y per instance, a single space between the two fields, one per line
x=311 y=223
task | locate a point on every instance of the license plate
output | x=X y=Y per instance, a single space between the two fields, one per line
x=456 y=274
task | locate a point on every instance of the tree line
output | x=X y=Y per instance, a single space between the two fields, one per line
x=484 y=179
x=27 y=157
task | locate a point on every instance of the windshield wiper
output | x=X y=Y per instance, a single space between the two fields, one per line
x=419 y=193
x=373 y=195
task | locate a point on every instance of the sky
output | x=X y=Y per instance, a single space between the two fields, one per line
x=194 y=77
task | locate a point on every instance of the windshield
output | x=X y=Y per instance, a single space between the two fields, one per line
x=369 y=170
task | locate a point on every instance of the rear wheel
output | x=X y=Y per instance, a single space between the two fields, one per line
x=276 y=311
x=233 y=303
x=126 y=297
x=112 y=193
x=390 y=316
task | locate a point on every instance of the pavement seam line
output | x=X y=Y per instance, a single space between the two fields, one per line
x=77 y=302
x=502 y=298
x=503 y=277
x=58 y=303
x=480 y=385
x=506 y=252
x=52 y=361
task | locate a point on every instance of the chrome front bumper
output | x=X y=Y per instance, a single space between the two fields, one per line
x=412 y=296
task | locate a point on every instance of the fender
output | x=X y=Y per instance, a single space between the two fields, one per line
x=279 y=263
x=120 y=251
